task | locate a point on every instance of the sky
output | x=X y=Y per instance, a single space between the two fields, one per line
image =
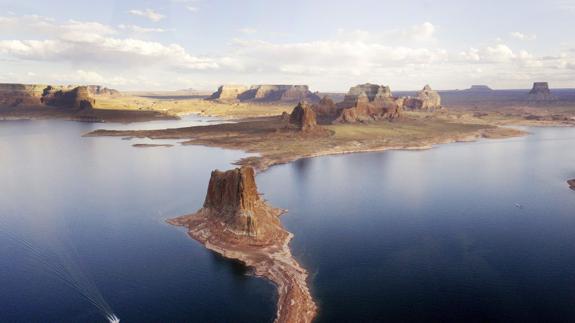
x=329 y=45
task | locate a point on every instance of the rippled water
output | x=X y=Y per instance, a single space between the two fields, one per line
x=465 y=232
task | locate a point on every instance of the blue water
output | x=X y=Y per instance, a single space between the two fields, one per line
x=103 y=203
x=465 y=232
x=436 y=235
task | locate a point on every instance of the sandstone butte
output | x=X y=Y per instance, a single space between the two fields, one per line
x=237 y=224
x=304 y=117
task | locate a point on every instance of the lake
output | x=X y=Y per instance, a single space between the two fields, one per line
x=479 y=231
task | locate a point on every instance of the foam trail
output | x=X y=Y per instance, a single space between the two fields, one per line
x=62 y=261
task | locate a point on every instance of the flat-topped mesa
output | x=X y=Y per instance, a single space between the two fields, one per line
x=479 y=88
x=228 y=92
x=265 y=93
x=540 y=92
x=77 y=98
x=426 y=100
x=304 y=117
x=368 y=102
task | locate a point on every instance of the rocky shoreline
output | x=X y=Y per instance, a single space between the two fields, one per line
x=235 y=223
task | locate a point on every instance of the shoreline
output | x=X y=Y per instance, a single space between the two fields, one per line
x=272 y=261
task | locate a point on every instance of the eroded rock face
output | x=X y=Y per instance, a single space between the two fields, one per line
x=426 y=100
x=367 y=102
x=101 y=90
x=14 y=95
x=232 y=195
x=540 y=92
x=303 y=117
x=78 y=98
x=265 y=93
x=228 y=92
x=325 y=108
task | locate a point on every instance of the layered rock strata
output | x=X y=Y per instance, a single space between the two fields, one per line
x=304 y=117
x=236 y=223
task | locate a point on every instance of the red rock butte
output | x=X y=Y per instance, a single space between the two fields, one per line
x=236 y=223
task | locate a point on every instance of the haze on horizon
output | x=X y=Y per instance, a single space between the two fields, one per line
x=200 y=44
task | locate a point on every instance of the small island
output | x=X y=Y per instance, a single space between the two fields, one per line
x=237 y=224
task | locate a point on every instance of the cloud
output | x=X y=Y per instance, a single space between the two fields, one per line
x=141 y=30
x=248 y=30
x=192 y=8
x=147 y=13
x=522 y=36
x=86 y=43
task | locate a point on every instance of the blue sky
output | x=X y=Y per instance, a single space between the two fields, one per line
x=330 y=45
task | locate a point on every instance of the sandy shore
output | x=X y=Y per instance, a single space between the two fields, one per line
x=272 y=261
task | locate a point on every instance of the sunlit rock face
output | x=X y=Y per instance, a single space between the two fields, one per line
x=304 y=117
x=228 y=92
x=540 y=92
x=233 y=199
x=265 y=93
x=426 y=100
x=368 y=102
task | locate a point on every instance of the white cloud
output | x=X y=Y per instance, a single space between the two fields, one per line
x=192 y=8
x=522 y=36
x=148 y=13
x=248 y=30
x=141 y=30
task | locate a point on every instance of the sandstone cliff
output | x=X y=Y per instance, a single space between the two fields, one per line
x=304 y=117
x=325 y=108
x=228 y=92
x=540 y=92
x=78 y=98
x=426 y=100
x=265 y=93
x=367 y=102
x=237 y=224
x=233 y=200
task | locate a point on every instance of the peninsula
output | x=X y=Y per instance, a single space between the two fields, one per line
x=237 y=224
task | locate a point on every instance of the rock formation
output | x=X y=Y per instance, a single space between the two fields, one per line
x=426 y=100
x=98 y=90
x=35 y=95
x=367 y=102
x=571 y=183
x=325 y=108
x=78 y=98
x=236 y=223
x=265 y=93
x=304 y=117
x=479 y=89
x=540 y=92
x=228 y=92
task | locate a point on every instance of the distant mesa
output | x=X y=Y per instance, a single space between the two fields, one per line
x=264 y=93
x=479 y=89
x=368 y=102
x=77 y=98
x=325 y=108
x=37 y=95
x=426 y=100
x=304 y=117
x=228 y=92
x=98 y=90
x=540 y=92
x=571 y=183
